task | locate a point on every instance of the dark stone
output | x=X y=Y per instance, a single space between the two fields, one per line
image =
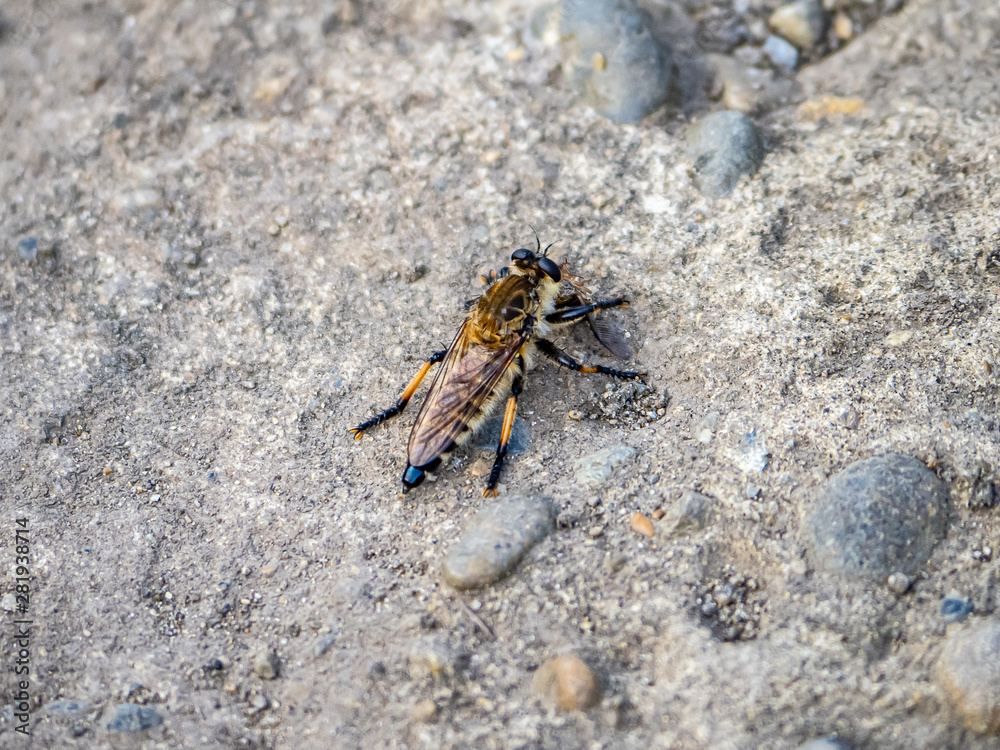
x=725 y=146
x=27 y=248
x=131 y=718
x=876 y=517
x=955 y=610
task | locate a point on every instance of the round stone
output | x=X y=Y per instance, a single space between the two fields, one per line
x=878 y=516
x=969 y=672
x=566 y=682
x=725 y=146
x=613 y=59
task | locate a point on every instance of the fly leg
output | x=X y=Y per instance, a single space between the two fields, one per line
x=508 y=425
x=403 y=400
x=570 y=313
x=560 y=357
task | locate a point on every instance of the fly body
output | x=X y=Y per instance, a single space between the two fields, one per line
x=487 y=361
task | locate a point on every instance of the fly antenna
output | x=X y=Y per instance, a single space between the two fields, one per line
x=545 y=253
x=538 y=242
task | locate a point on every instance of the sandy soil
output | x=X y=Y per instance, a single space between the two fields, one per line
x=254 y=221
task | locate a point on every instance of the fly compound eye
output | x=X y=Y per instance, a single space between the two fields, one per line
x=550 y=269
x=521 y=254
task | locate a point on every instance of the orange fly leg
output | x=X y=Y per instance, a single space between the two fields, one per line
x=508 y=426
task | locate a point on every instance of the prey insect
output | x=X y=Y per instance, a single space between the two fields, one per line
x=486 y=363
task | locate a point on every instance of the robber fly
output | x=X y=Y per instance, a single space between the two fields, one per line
x=486 y=363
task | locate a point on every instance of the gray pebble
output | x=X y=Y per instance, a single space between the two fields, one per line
x=67 y=708
x=267 y=666
x=488 y=435
x=594 y=468
x=878 y=516
x=614 y=60
x=824 y=743
x=955 y=610
x=497 y=539
x=324 y=644
x=782 y=54
x=802 y=22
x=129 y=718
x=724 y=146
x=8 y=603
x=969 y=672
x=27 y=248
x=692 y=513
x=899 y=583
x=134 y=201
x=753 y=453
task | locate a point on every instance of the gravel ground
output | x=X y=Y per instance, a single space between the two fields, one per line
x=229 y=230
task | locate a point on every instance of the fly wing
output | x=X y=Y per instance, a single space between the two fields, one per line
x=610 y=336
x=469 y=373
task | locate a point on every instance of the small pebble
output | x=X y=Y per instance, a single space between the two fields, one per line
x=824 y=743
x=566 y=682
x=658 y=514
x=591 y=470
x=877 y=517
x=955 y=610
x=8 y=603
x=267 y=665
x=843 y=27
x=899 y=583
x=274 y=230
x=27 y=248
x=782 y=54
x=969 y=672
x=692 y=514
x=67 y=708
x=724 y=146
x=642 y=525
x=596 y=532
x=575 y=415
x=826 y=105
x=424 y=712
x=127 y=204
x=130 y=718
x=496 y=540
x=324 y=644
x=802 y=22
